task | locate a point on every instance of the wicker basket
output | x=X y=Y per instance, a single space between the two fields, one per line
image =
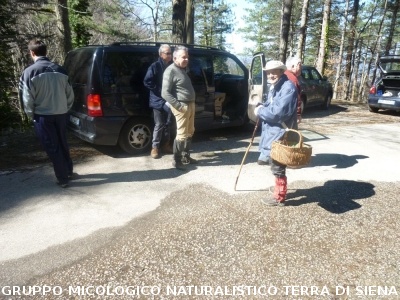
x=289 y=152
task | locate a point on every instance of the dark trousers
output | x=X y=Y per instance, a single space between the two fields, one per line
x=277 y=169
x=162 y=121
x=52 y=133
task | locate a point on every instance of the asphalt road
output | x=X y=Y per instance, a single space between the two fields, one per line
x=168 y=228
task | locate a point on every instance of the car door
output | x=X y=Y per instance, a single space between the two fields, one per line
x=307 y=85
x=318 y=85
x=256 y=84
x=198 y=63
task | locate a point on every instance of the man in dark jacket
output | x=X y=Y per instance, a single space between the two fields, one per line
x=277 y=113
x=161 y=111
x=47 y=97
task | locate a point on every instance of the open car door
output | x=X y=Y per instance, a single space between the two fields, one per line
x=256 y=84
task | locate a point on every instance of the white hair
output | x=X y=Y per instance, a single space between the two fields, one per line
x=179 y=48
x=163 y=47
x=292 y=61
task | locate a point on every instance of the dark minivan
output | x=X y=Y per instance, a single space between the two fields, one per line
x=112 y=105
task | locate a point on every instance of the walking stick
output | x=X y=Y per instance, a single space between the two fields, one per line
x=247 y=151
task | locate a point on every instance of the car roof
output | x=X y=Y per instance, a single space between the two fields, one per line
x=151 y=45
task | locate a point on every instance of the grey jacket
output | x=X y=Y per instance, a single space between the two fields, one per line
x=45 y=90
x=177 y=87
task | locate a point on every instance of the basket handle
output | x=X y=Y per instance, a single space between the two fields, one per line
x=300 y=144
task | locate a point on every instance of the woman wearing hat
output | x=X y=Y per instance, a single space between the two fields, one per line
x=276 y=114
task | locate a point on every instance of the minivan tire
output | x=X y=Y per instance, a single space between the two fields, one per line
x=136 y=136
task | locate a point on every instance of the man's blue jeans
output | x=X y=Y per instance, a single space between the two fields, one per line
x=162 y=121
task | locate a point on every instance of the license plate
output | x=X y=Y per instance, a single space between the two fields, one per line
x=388 y=102
x=74 y=120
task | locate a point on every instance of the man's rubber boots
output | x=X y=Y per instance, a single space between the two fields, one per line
x=178 y=151
x=280 y=189
x=186 y=153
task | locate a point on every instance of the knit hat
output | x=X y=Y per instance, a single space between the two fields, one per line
x=274 y=64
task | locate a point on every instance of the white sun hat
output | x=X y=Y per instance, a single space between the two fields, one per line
x=274 y=64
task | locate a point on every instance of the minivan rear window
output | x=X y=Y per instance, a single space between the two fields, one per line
x=78 y=65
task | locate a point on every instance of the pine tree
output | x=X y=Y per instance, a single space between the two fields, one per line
x=213 y=21
x=80 y=20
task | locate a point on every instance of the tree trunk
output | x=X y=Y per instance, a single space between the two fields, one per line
x=323 y=44
x=377 y=47
x=303 y=30
x=340 y=56
x=350 y=48
x=63 y=29
x=189 y=22
x=356 y=64
x=361 y=91
x=178 y=21
x=285 y=28
x=392 y=27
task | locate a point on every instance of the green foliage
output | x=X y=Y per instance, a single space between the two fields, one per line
x=213 y=20
x=263 y=27
x=80 y=19
x=114 y=21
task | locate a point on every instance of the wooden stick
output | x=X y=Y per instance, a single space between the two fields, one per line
x=247 y=151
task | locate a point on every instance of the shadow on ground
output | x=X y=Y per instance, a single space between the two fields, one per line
x=336 y=196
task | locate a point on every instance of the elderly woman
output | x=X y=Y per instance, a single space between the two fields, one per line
x=276 y=114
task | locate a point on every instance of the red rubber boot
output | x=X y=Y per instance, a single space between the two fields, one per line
x=280 y=191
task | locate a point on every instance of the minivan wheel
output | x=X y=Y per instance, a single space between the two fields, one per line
x=135 y=136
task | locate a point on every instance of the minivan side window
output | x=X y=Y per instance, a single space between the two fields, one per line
x=226 y=65
x=124 y=72
x=201 y=73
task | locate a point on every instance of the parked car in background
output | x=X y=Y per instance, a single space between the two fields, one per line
x=385 y=91
x=112 y=105
x=315 y=88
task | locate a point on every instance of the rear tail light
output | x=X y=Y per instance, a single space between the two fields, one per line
x=372 y=90
x=94 y=105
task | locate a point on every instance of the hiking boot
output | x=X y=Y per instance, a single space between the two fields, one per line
x=272 y=202
x=178 y=165
x=186 y=160
x=62 y=184
x=154 y=153
x=262 y=162
x=167 y=148
x=72 y=176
